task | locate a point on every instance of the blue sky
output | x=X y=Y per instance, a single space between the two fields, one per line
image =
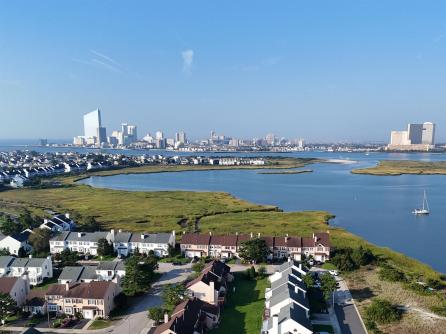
x=322 y=70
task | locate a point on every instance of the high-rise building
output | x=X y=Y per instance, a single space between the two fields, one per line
x=428 y=133
x=180 y=137
x=159 y=135
x=398 y=138
x=415 y=133
x=93 y=127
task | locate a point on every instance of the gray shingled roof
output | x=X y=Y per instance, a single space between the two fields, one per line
x=88 y=273
x=287 y=291
x=156 y=238
x=294 y=312
x=36 y=262
x=85 y=236
x=123 y=236
x=288 y=278
x=60 y=236
x=107 y=265
x=5 y=260
x=71 y=273
x=19 y=262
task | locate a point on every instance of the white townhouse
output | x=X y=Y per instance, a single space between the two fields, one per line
x=12 y=243
x=124 y=243
x=37 y=269
x=110 y=270
x=58 y=223
x=81 y=242
x=156 y=242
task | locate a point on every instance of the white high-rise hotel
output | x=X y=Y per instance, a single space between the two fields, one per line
x=416 y=135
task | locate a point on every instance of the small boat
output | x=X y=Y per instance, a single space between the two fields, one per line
x=425 y=208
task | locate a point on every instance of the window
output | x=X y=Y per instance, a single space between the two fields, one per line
x=68 y=310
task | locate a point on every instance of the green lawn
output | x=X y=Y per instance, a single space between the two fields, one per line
x=100 y=324
x=243 y=310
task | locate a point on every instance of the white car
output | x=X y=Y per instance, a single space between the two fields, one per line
x=333 y=272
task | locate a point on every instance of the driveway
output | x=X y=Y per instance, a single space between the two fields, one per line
x=137 y=321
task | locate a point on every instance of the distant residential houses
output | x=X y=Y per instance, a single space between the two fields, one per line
x=124 y=243
x=228 y=246
x=287 y=307
x=103 y=271
x=58 y=223
x=13 y=243
x=37 y=270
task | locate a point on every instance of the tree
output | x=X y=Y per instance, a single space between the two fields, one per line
x=262 y=272
x=89 y=224
x=362 y=256
x=138 y=276
x=173 y=294
x=9 y=226
x=389 y=273
x=254 y=250
x=105 y=248
x=328 y=285
x=22 y=252
x=198 y=266
x=7 y=305
x=382 y=311
x=251 y=273
x=343 y=261
x=40 y=240
x=26 y=220
x=309 y=280
x=67 y=258
x=156 y=314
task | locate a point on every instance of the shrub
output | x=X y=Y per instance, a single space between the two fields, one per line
x=382 y=311
x=391 y=274
x=262 y=271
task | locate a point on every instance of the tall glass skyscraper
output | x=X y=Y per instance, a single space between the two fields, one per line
x=93 y=127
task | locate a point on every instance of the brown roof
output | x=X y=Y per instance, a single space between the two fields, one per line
x=323 y=238
x=195 y=239
x=224 y=240
x=242 y=237
x=269 y=241
x=288 y=241
x=92 y=290
x=35 y=298
x=7 y=283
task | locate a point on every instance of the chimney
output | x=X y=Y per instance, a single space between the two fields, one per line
x=258 y=235
x=166 y=317
x=251 y=235
x=120 y=231
x=296 y=290
x=45 y=220
x=79 y=234
x=184 y=232
x=173 y=233
x=236 y=233
x=67 y=286
x=142 y=236
x=289 y=259
x=30 y=256
x=210 y=233
x=112 y=232
x=275 y=329
x=67 y=215
x=287 y=235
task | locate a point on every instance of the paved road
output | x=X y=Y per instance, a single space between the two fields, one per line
x=349 y=319
x=137 y=321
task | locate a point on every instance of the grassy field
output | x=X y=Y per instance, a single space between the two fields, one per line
x=365 y=284
x=244 y=309
x=270 y=163
x=399 y=167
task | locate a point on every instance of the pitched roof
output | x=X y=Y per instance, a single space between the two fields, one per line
x=153 y=238
x=71 y=273
x=107 y=265
x=6 y=260
x=87 y=236
x=60 y=236
x=195 y=239
x=92 y=290
x=19 y=262
x=35 y=297
x=122 y=237
x=7 y=283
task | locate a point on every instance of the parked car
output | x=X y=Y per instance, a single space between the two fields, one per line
x=333 y=272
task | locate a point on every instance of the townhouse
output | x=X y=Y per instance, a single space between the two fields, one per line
x=210 y=286
x=16 y=287
x=82 y=242
x=192 y=316
x=124 y=243
x=35 y=302
x=287 y=307
x=94 y=299
x=200 y=245
x=36 y=269
x=79 y=274
x=13 y=243
x=58 y=223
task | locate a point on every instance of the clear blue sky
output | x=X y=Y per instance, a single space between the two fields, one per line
x=322 y=70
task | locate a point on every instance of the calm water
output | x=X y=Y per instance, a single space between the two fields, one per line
x=376 y=208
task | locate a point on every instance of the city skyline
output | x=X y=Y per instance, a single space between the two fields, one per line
x=294 y=70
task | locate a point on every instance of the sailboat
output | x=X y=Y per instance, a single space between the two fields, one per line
x=425 y=209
